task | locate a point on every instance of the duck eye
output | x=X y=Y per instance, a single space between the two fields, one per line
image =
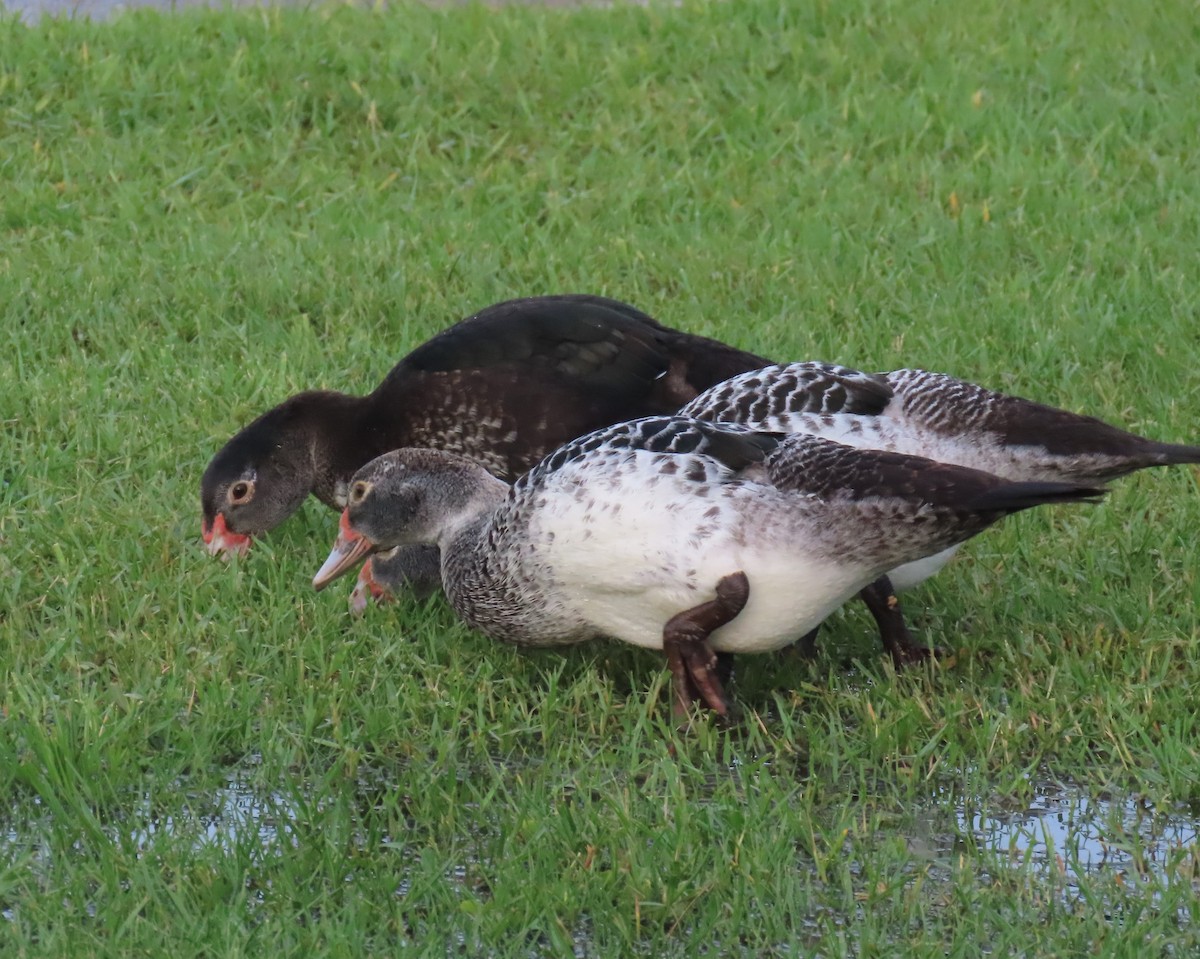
x=241 y=491
x=358 y=492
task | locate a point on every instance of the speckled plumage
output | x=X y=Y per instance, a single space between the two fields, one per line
x=936 y=416
x=618 y=531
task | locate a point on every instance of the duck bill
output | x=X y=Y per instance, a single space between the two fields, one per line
x=221 y=541
x=348 y=551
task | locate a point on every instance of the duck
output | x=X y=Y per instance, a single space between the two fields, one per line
x=414 y=571
x=697 y=538
x=507 y=386
x=938 y=416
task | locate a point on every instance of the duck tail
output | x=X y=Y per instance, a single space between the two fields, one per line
x=1014 y=497
x=1173 y=454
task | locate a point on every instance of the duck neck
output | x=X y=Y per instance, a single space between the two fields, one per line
x=470 y=516
x=465 y=536
x=337 y=441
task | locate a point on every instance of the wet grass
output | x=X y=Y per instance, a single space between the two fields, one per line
x=202 y=214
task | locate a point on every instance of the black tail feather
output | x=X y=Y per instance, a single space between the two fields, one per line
x=1014 y=497
x=1175 y=454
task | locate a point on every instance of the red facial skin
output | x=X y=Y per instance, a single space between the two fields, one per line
x=221 y=541
x=367 y=589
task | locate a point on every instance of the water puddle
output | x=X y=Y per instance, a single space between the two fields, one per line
x=1067 y=836
x=223 y=818
x=1073 y=833
x=1063 y=827
x=227 y=817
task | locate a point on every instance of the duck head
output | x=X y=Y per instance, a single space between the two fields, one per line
x=260 y=477
x=414 y=571
x=244 y=493
x=409 y=497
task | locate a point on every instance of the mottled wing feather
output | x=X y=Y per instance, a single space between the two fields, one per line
x=823 y=468
x=951 y=406
x=1073 y=446
x=735 y=448
x=794 y=388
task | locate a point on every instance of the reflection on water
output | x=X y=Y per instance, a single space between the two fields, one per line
x=1066 y=829
x=223 y=818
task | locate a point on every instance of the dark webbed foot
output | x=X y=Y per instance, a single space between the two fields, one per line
x=904 y=649
x=696 y=670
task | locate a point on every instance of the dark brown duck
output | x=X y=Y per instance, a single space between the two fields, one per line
x=505 y=386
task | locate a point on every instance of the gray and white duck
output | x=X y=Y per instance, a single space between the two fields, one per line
x=936 y=416
x=505 y=386
x=672 y=533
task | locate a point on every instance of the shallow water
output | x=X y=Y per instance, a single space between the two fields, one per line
x=224 y=817
x=1077 y=833
x=1068 y=839
x=1064 y=827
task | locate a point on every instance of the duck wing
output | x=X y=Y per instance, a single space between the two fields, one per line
x=828 y=470
x=595 y=342
x=776 y=396
x=730 y=448
x=1062 y=444
x=515 y=381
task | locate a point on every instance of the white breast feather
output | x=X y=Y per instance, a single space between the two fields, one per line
x=637 y=548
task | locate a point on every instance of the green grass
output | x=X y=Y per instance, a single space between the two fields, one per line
x=201 y=214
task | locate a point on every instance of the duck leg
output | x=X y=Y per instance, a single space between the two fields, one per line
x=881 y=600
x=695 y=668
x=806 y=645
x=904 y=649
